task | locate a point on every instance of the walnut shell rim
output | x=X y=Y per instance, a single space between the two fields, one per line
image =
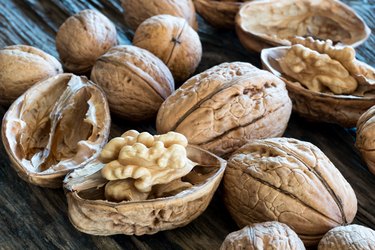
x=344 y=110
x=147 y=215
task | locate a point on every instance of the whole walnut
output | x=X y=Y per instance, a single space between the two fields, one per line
x=82 y=38
x=135 y=81
x=21 y=66
x=271 y=235
x=224 y=107
x=351 y=237
x=173 y=41
x=136 y=11
x=289 y=181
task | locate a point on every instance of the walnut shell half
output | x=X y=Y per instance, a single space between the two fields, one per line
x=89 y=212
x=263 y=24
x=57 y=125
x=290 y=181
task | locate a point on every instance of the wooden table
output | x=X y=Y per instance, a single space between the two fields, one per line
x=36 y=218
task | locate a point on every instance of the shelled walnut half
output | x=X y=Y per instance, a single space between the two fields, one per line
x=325 y=82
x=57 y=125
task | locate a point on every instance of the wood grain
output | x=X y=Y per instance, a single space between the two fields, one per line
x=36 y=218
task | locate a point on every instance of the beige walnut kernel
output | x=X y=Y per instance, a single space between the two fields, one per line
x=173 y=41
x=84 y=37
x=22 y=66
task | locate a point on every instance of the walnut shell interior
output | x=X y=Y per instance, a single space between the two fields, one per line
x=56 y=126
x=89 y=212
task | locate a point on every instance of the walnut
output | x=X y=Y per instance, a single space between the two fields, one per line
x=349 y=237
x=31 y=64
x=84 y=37
x=263 y=24
x=136 y=11
x=136 y=82
x=123 y=190
x=57 y=125
x=289 y=181
x=223 y=107
x=270 y=235
x=173 y=41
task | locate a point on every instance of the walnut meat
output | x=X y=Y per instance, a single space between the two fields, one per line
x=21 y=66
x=84 y=37
x=136 y=82
x=173 y=41
x=223 y=107
x=290 y=181
x=349 y=237
x=57 y=125
x=270 y=235
x=136 y=11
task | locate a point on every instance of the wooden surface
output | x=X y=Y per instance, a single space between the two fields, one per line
x=36 y=218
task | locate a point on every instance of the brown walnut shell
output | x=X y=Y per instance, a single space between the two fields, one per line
x=320 y=106
x=263 y=24
x=135 y=81
x=31 y=66
x=57 y=125
x=82 y=38
x=271 y=235
x=136 y=11
x=173 y=41
x=223 y=107
x=89 y=212
x=289 y=181
x=351 y=237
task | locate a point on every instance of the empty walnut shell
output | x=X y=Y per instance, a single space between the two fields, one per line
x=263 y=24
x=289 y=181
x=351 y=237
x=271 y=235
x=320 y=106
x=57 y=125
x=223 y=107
x=136 y=11
x=135 y=81
x=89 y=212
x=173 y=41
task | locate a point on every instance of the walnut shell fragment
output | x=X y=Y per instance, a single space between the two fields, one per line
x=136 y=11
x=263 y=24
x=82 y=38
x=31 y=66
x=135 y=81
x=89 y=212
x=223 y=107
x=57 y=125
x=173 y=41
x=271 y=235
x=289 y=181
x=320 y=102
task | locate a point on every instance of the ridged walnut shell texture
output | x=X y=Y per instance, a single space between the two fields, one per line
x=30 y=64
x=173 y=41
x=84 y=37
x=57 y=125
x=135 y=81
x=270 y=23
x=136 y=11
x=351 y=237
x=289 y=181
x=271 y=235
x=223 y=107
x=365 y=141
x=90 y=213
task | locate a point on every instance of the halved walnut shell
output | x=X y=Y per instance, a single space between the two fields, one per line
x=263 y=24
x=57 y=125
x=323 y=106
x=89 y=212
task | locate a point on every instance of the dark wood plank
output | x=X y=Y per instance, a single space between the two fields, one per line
x=36 y=218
